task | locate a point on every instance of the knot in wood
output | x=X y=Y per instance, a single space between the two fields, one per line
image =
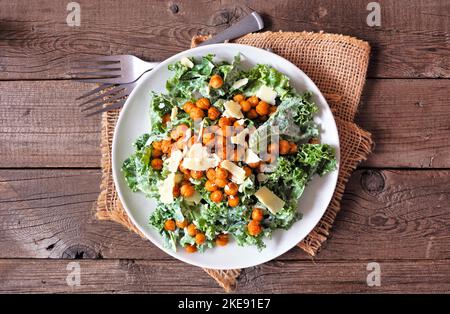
x=372 y=181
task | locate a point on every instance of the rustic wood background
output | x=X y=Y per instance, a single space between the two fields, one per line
x=396 y=209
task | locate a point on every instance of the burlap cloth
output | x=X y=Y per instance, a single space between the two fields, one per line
x=338 y=65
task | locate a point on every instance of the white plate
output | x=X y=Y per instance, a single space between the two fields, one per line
x=134 y=121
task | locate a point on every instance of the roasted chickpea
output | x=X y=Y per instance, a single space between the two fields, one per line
x=180 y=143
x=238 y=98
x=187 y=190
x=245 y=106
x=216 y=196
x=253 y=101
x=195 y=174
x=221 y=173
x=238 y=125
x=248 y=171
x=221 y=183
x=191 y=141
x=257 y=214
x=284 y=147
x=262 y=108
x=166 y=146
x=200 y=238
x=157 y=145
x=192 y=230
x=222 y=240
x=157 y=163
x=211 y=186
x=233 y=200
x=169 y=225
x=182 y=129
x=272 y=109
x=203 y=103
x=273 y=148
x=254 y=228
x=190 y=248
x=156 y=153
x=196 y=113
x=182 y=224
x=208 y=139
x=231 y=189
x=292 y=148
x=224 y=121
x=174 y=135
x=187 y=107
x=211 y=174
x=213 y=113
x=183 y=169
x=252 y=114
x=176 y=191
x=216 y=81
x=254 y=165
x=165 y=119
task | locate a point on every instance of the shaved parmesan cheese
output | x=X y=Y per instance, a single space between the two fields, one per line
x=251 y=157
x=166 y=189
x=195 y=198
x=174 y=160
x=237 y=173
x=269 y=199
x=232 y=110
x=173 y=114
x=267 y=94
x=241 y=121
x=239 y=83
x=186 y=62
x=198 y=158
x=239 y=139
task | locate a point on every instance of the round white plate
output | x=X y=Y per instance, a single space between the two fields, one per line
x=134 y=121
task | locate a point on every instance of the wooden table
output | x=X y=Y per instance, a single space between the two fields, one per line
x=396 y=209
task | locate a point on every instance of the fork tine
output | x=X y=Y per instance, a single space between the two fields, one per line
x=100 y=73
x=110 y=99
x=98 y=66
x=116 y=105
x=104 y=80
x=94 y=91
x=100 y=59
x=109 y=92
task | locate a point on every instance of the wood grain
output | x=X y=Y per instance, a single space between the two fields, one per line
x=385 y=215
x=138 y=276
x=42 y=126
x=37 y=43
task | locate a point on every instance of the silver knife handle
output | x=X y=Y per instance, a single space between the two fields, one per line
x=251 y=23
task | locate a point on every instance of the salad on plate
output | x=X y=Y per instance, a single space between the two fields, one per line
x=229 y=154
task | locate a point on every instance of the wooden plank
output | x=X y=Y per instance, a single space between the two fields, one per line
x=385 y=215
x=37 y=43
x=41 y=126
x=131 y=276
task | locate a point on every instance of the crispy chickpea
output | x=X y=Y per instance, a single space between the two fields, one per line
x=181 y=129
x=252 y=114
x=254 y=165
x=166 y=146
x=157 y=163
x=192 y=230
x=203 y=103
x=174 y=135
x=200 y=238
x=187 y=107
x=165 y=119
x=196 y=113
x=238 y=98
x=157 y=145
x=213 y=113
x=182 y=224
x=233 y=200
x=238 y=125
x=211 y=174
x=187 y=190
x=195 y=174
x=216 y=81
x=272 y=109
x=169 y=225
x=180 y=143
x=292 y=148
x=231 y=189
x=176 y=191
x=222 y=240
x=245 y=106
x=221 y=183
x=183 y=169
x=191 y=141
x=190 y=248
x=248 y=171
x=208 y=139
x=156 y=153
x=273 y=148
x=262 y=108
x=254 y=228
x=284 y=147
x=211 y=186
x=224 y=121
x=216 y=196
x=257 y=214
x=253 y=101
x=221 y=173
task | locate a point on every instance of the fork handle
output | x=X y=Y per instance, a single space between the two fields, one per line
x=251 y=23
